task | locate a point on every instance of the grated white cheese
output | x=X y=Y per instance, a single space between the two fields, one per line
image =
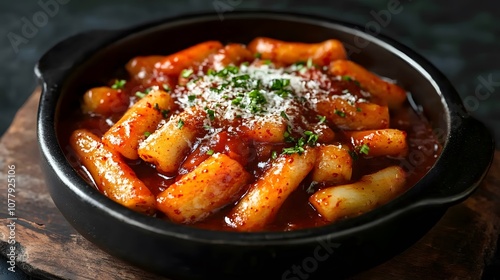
x=248 y=93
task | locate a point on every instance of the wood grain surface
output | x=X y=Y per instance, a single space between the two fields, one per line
x=458 y=247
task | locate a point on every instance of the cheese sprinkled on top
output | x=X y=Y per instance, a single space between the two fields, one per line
x=253 y=93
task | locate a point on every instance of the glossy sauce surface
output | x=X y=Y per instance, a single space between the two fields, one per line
x=229 y=135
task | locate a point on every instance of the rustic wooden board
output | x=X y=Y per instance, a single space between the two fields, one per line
x=458 y=247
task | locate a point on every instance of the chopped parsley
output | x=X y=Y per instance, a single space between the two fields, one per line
x=274 y=155
x=309 y=63
x=180 y=124
x=191 y=98
x=279 y=86
x=288 y=135
x=292 y=150
x=321 y=119
x=339 y=113
x=211 y=72
x=166 y=87
x=310 y=139
x=347 y=78
x=364 y=149
x=211 y=114
x=186 y=73
x=257 y=99
x=140 y=94
x=119 y=84
x=358 y=109
x=257 y=55
x=147 y=133
x=284 y=115
x=210 y=152
x=350 y=79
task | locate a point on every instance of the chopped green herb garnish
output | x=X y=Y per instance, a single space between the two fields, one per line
x=284 y=115
x=312 y=138
x=147 y=133
x=228 y=69
x=180 y=124
x=186 y=73
x=339 y=113
x=288 y=135
x=210 y=152
x=191 y=98
x=267 y=62
x=256 y=100
x=309 y=63
x=211 y=72
x=211 y=114
x=165 y=113
x=257 y=55
x=140 y=94
x=274 y=155
x=358 y=109
x=166 y=87
x=237 y=100
x=292 y=150
x=241 y=80
x=349 y=78
x=279 y=83
x=364 y=149
x=119 y=84
x=321 y=119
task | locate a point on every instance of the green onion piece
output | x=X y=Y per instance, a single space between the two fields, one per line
x=119 y=84
x=339 y=113
x=284 y=115
x=140 y=94
x=309 y=63
x=364 y=149
x=147 y=133
x=180 y=124
x=210 y=152
x=211 y=114
x=274 y=155
x=186 y=73
x=321 y=119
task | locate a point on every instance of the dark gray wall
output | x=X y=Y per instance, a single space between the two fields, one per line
x=459 y=37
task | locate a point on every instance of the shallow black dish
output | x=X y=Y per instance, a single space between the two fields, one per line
x=340 y=249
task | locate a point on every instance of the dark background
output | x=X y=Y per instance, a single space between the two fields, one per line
x=458 y=37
